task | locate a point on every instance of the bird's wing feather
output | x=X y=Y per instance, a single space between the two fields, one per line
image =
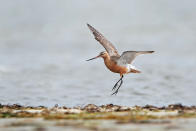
x=112 y=51
x=128 y=56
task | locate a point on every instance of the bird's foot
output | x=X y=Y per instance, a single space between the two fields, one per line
x=117 y=86
x=120 y=80
x=114 y=93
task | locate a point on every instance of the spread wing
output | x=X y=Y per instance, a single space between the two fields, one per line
x=128 y=56
x=104 y=42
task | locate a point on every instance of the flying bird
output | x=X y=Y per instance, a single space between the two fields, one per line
x=114 y=62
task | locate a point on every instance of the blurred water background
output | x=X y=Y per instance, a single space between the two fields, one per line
x=44 y=45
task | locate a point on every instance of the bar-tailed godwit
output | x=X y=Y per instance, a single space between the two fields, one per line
x=114 y=62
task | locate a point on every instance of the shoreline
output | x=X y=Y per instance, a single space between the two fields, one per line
x=92 y=117
x=18 y=111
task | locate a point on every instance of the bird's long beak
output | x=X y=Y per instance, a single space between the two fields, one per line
x=93 y=58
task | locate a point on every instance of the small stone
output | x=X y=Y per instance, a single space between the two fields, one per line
x=91 y=108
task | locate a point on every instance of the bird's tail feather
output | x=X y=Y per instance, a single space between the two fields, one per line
x=135 y=71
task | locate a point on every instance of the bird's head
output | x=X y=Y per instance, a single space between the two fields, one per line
x=102 y=54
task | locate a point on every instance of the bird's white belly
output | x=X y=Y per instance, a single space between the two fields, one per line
x=129 y=67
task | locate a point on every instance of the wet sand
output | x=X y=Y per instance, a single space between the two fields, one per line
x=91 y=117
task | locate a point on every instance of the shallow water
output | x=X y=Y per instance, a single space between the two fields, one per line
x=44 y=45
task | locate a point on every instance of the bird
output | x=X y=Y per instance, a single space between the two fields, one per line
x=116 y=63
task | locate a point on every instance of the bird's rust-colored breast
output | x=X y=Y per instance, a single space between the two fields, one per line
x=112 y=66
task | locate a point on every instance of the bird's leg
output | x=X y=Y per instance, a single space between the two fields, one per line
x=118 y=88
x=121 y=81
x=117 y=83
